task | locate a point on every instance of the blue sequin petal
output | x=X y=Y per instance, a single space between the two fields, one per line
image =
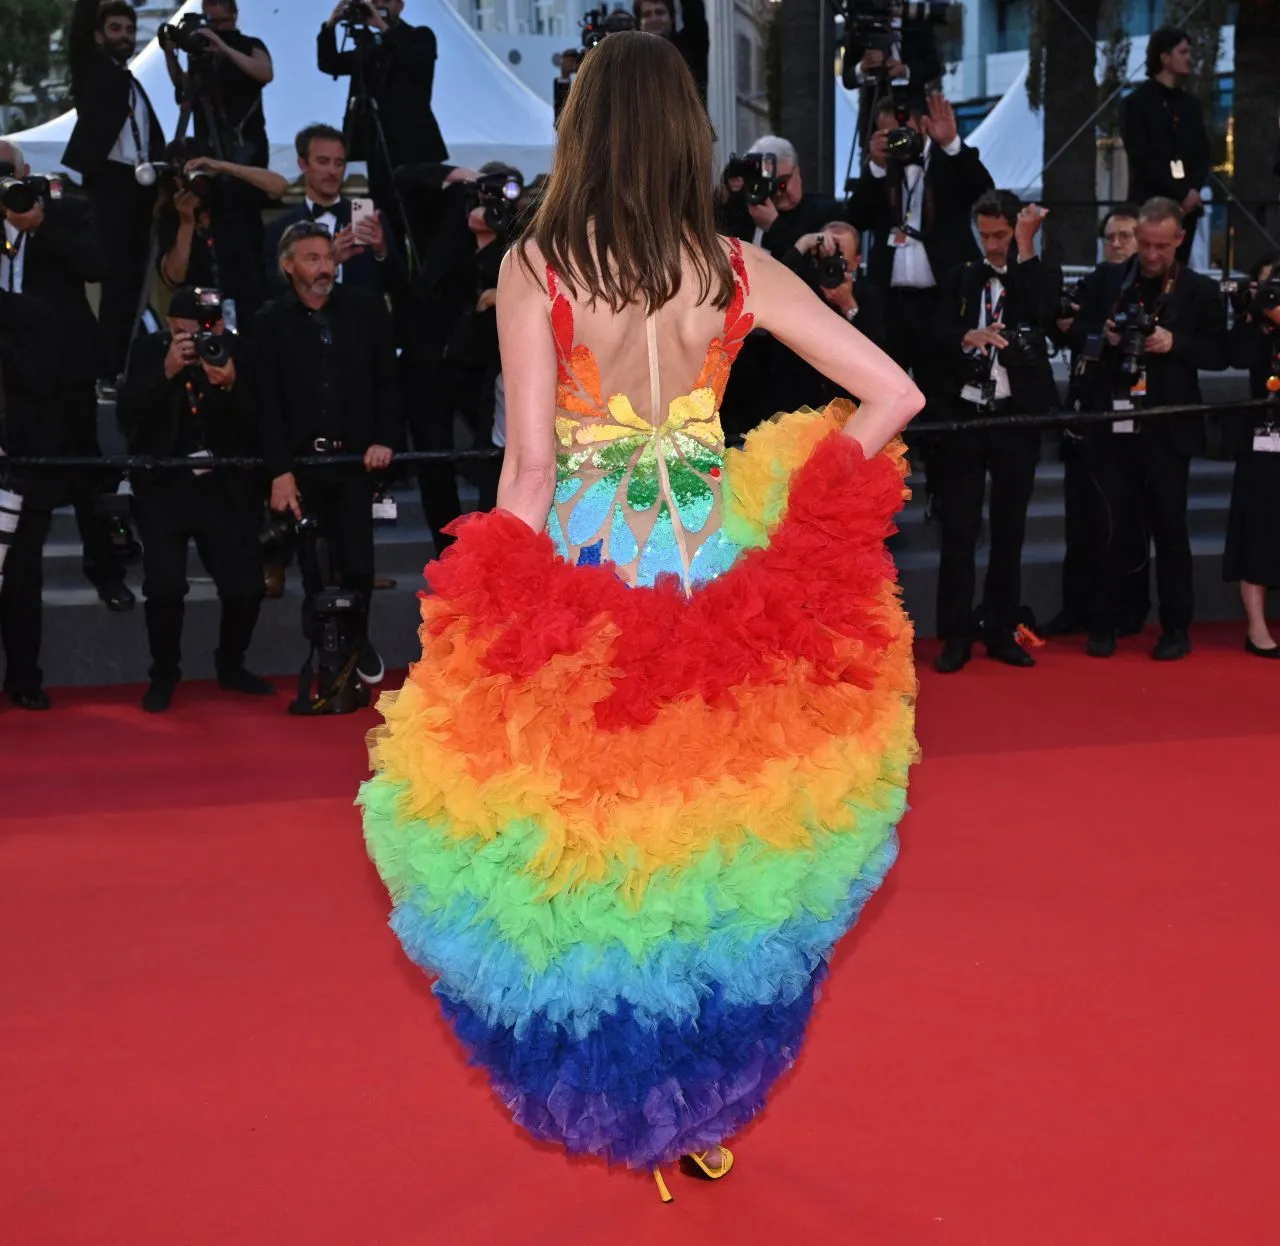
x=661 y=555
x=589 y=555
x=622 y=541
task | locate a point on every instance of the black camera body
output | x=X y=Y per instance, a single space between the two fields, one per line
x=833 y=271
x=1025 y=347
x=183 y=35
x=597 y=24
x=759 y=174
x=358 y=13
x=281 y=534
x=1069 y=299
x=21 y=194
x=1135 y=324
x=499 y=195
x=211 y=348
x=904 y=144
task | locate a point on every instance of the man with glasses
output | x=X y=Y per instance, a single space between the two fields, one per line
x=1118 y=234
x=324 y=370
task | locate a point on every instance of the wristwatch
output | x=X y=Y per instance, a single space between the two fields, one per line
x=851 y=315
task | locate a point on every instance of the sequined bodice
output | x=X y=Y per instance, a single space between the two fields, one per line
x=642 y=495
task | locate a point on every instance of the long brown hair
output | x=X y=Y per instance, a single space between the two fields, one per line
x=631 y=188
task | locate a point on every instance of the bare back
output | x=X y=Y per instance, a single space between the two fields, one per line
x=640 y=450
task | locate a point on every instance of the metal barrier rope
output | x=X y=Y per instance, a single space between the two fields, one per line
x=1055 y=419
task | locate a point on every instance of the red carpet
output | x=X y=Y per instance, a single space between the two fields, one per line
x=1055 y=1025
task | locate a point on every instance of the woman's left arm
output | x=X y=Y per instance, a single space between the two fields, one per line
x=528 y=481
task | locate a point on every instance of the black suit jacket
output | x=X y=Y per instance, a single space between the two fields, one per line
x=362 y=273
x=1194 y=313
x=101 y=89
x=1160 y=125
x=952 y=184
x=400 y=72
x=1030 y=298
x=47 y=331
x=286 y=382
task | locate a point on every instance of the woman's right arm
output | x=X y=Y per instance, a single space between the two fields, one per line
x=787 y=309
x=529 y=371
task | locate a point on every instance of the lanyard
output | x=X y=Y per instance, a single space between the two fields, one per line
x=13 y=252
x=908 y=196
x=1171 y=280
x=133 y=118
x=992 y=310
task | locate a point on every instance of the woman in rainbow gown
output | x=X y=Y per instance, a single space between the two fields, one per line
x=652 y=762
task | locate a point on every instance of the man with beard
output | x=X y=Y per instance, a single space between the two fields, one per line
x=116 y=130
x=324 y=370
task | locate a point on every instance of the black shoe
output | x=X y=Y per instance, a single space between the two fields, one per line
x=368 y=664
x=1101 y=644
x=33 y=699
x=159 y=696
x=1174 y=643
x=954 y=656
x=117 y=596
x=1064 y=623
x=1010 y=653
x=1259 y=652
x=241 y=680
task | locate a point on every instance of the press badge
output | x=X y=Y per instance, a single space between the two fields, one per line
x=385 y=509
x=1122 y=426
x=201 y=454
x=1266 y=441
x=1176 y=169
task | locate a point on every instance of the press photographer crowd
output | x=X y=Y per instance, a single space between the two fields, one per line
x=352 y=328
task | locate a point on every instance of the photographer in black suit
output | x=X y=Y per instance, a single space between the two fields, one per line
x=1144 y=331
x=324 y=371
x=903 y=57
x=830 y=264
x=183 y=395
x=693 y=39
x=46 y=333
x=914 y=196
x=1164 y=133
x=367 y=254
x=116 y=130
x=395 y=63
x=199 y=236
x=990 y=331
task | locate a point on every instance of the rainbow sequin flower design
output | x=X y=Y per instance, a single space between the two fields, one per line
x=642 y=496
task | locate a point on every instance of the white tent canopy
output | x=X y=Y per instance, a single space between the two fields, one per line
x=485 y=112
x=1010 y=140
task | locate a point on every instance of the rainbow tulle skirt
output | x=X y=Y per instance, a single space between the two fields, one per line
x=624 y=828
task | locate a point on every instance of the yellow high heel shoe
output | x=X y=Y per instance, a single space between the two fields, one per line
x=696 y=1166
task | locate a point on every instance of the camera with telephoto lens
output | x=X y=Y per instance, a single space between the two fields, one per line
x=183 y=35
x=597 y=24
x=280 y=535
x=832 y=270
x=1025 y=346
x=499 y=195
x=759 y=174
x=211 y=348
x=20 y=195
x=1134 y=325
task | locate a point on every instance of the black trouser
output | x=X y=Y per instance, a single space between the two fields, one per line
x=909 y=313
x=428 y=407
x=1084 y=554
x=122 y=212
x=964 y=462
x=220 y=512
x=1140 y=484
x=79 y=415
x=341 y=498
x=21 y=608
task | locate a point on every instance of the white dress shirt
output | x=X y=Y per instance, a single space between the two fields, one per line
x=1000 y=375
x=13 y=260
x=911 y=265
x=129 y=150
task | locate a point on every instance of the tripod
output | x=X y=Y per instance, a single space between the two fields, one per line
x=365 y=133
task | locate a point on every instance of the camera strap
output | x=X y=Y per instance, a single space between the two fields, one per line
x=13 y=252
x=992 y=310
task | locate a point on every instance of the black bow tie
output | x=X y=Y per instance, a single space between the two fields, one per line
x=989 y=274
x=319 y=209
